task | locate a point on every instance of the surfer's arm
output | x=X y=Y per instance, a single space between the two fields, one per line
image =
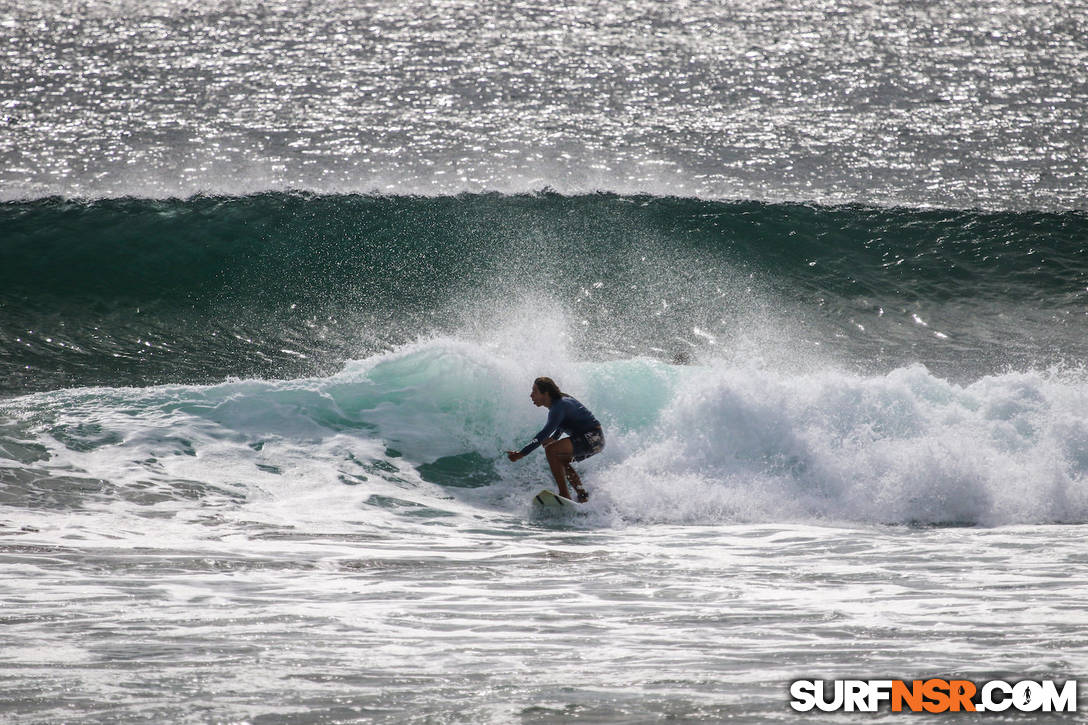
x=555 y=419
x=518 y=455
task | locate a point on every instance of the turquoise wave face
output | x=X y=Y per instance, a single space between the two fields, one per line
x=420 y=432
x=133 y=291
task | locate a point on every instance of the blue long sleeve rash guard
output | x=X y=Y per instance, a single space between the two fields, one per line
x=566 y=415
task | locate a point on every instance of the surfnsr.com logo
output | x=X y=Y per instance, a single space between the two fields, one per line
x=933 y=695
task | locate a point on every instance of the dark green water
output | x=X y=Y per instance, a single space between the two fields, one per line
x=135 y=291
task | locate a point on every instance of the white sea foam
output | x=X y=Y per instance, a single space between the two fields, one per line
x=905 y=447
x=714 y=443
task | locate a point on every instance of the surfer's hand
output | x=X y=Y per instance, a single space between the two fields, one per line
x=514 y=456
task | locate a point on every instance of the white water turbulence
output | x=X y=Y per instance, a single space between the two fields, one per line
x=356 y=549
x=901 y=448
x=688 y=444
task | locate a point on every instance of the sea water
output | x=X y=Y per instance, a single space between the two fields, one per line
x=276 y=278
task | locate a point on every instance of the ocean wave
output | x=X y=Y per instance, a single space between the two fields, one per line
x=136 y=291
x=420 y=432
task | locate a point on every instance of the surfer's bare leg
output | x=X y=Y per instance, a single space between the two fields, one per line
x=560 y=453
x=576 y=483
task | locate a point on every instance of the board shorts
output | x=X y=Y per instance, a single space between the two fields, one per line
x=587 y=444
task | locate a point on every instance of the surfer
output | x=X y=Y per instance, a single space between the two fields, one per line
x=565 y=415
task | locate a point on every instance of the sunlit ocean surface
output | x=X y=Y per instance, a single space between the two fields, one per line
x=275 y=279
x=955 y=104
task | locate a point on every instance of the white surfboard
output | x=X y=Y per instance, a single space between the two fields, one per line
x=551 y=502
